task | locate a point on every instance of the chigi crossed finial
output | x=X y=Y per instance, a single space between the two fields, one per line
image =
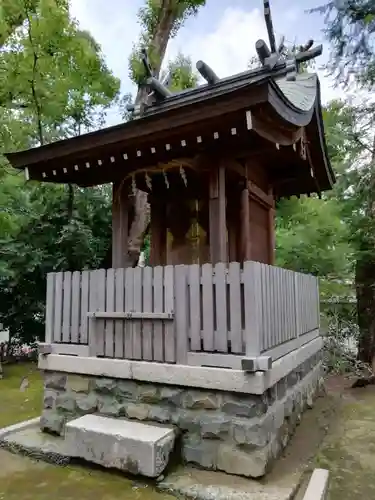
x=272 y=56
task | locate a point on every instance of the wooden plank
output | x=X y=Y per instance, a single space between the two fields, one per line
x=50 y=304
x=217 y=216
x=252 y=273
x=169 y=331
x=147 y=333
x=76 y=302
x=235 y=304
x=317 y=301
x=245 y=226
x=275 y=275
x=131 y=315
x=109 y=350
x=67 y=304
x=293 y=312
x=92 y=299
x=291 y=309
x=119 y=306
x=281 y=350
x=265 y=318
x=208 y=308
x=84 y=322
x=181 y=323
x=57 y=325
x=100 y=304
x=283 y=293
x=128 y=327
x=195 y=307
x=65 y=349
x=158 y=340
x=221 y=331
x=297 y=300
x=137 y=307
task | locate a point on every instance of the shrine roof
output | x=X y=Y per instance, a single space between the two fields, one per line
x=102 y=156
x=271 y=114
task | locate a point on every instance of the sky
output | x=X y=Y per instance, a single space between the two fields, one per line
x=223 y=34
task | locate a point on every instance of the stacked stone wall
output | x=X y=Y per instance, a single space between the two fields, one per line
x=232 y=432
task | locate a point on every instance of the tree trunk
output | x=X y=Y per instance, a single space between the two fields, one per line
x=365 y=290
x=365 y=277
x=158 y=45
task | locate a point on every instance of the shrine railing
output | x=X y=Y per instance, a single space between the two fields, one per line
x=198 y=315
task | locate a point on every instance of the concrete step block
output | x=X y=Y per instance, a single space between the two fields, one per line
x=130 y=446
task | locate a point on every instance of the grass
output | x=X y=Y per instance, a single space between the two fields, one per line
x=17 y=406
x=349 y=449
x=22 y=478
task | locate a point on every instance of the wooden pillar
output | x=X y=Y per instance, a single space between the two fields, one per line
x=245 y=225
x=120 y=208
x=158 y=230
x=271 y=231
x=217 y=215
x=234 y=225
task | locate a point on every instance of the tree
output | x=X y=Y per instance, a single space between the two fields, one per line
x=350 y=27
x=54 y=84
x=160 y=20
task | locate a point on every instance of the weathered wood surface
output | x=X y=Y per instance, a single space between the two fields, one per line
x=166 y=312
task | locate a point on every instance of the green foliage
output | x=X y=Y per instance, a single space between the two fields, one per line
x=350 y=27
x=182 y=74
x=159 y=21
x=44 y=240
x=312 y=238
x=53 y=84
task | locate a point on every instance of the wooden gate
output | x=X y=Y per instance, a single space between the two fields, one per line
x=131 y=314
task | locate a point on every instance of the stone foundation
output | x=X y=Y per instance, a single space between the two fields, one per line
x=232 y=432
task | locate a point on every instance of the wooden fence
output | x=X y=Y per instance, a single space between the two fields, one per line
x=205 y=315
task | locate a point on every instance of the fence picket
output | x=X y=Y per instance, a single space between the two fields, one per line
x=119 y=307
x=221 y=331
x=169 y=338
x=158 y=340
x=195 y=307
x=110 y=307
x=84 y=309
x=50 y=303
x=57 y=324
x=181 y=314
x=137 y=306
x=67 y=304
x=208 y=308
x=147 y=307
x=128 y=326
x=100 y=323
x=235 y=305
x=76 y=302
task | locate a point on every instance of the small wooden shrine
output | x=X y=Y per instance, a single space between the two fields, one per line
x=212 y=159
x=206 y=344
